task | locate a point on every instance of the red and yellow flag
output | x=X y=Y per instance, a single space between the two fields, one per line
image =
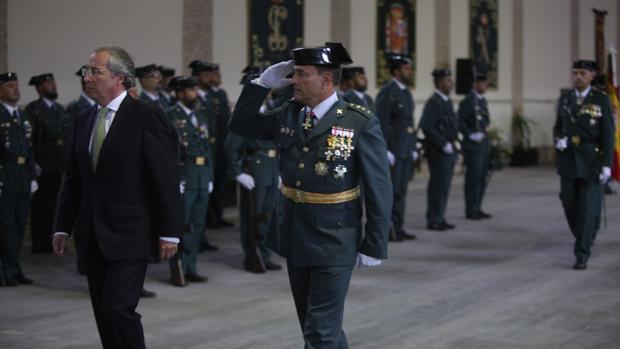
x=614 y=95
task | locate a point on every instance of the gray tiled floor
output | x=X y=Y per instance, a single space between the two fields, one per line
x=500 y=283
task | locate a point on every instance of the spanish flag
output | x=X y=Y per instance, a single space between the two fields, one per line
x=613 y=91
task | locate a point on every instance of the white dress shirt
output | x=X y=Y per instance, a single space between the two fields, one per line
x=322 y=108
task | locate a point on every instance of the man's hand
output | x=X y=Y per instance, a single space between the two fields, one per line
x=476 y=136
x=448 y=149
x=364 y=261
x=605 y=174
x=561 y=143
x=391 y=158
x=167 y=249
x=182 y=187
x=59 y=244
x=414 y=155
x=246 y=181
x=210 y=187
x=34 y=186
x=275 y=76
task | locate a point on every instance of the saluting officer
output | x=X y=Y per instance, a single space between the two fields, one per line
x=474 y=122
x=440 y=127
x=358 y=83
x=584 y=132
x=328 y=148
x=50 y=128
x=17 y=180
x=395 y=108
x=150 y=79
x=196 y=171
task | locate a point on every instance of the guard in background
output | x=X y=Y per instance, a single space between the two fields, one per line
x=196 y=174
x=395 y=109
x=328 y=149
x=474 y=122
x=356 y=79
x=17 y=180
x=166 y=92
x=584 y=134
x=50 y=129
x=150 y=80
x=440 y=128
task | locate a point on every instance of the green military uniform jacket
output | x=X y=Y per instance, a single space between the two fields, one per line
x=439 y=123
x=158 y=103
x=589 y=129
x=473 y=116
x=395 y=108
x=196 y=155
x=16 y=161
x=50 y=133
x=313 y=234
x=367 y=101
x=258 y=158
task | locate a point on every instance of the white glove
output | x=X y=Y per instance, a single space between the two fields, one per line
x=182 y=187
x=391 y=158
x=605 y=174
x=448 y=148
x=275 y=76
x=279 y=182
x=246 y=181
x=561 y=143
x=476 y=136
x=210 y=187
x=364 y=261
x=414 y=155
x=34 y=186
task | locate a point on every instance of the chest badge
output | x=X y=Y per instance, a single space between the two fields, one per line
x=321 y=168
x=339 y=143
x=340 y=171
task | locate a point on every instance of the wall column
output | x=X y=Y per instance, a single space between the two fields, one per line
x=197 y=31
x=4 y=45
x=517 y=56
x=442 y=34
x=340 y=22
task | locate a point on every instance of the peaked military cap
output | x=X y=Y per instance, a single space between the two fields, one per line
x=179 y=83
x=441 y=73
x=165 y=71
x=200 y=66
x=332 y=54
x=350 y=72
x=79 y=72
x=250 y=72
x=585 y=64
x=145 y=70
x=6 y=77
x=481 y=76
x=396 y=61
x=39 y=79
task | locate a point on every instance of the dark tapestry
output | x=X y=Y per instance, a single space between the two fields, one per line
x=483 y=37
x=395 y=33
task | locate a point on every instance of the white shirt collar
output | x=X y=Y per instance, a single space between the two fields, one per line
x=585 y=92
x=322 y=108
x=88 y=99
x=444 y=97
x=10 y=108
x=48 y=102
x=478 y=95
x=202 y=93
x=215 y=88
x=184 y=108
x=399 y=84
x=153 y=97
x=359 y=94
x=116 y=102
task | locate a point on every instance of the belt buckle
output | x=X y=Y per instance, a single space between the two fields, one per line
x=212 y=140
x=575 y=140
x=200 y=160
x=410 y=130
x=298 y=196
x=60 y=142
x=21 y=160
x=271 y=153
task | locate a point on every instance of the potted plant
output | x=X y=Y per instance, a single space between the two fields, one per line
x=522 y=152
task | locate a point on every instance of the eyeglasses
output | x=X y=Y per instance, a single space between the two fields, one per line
x=91 y=71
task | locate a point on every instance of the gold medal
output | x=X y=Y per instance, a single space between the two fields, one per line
x=321 y=168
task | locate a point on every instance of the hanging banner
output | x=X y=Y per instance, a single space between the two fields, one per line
x=275 y=28
x=483 y=37
x=395 y=33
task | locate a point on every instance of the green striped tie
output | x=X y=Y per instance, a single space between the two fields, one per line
x=99 y=136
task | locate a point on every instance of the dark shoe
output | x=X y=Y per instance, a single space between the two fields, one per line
x=396 y=238
x=473 y=216
x=484 y=215
x=196 y=278
x=448 y=226
x=206 y=246
x=225 y=223
x=272 y=266
x=404 y=235
x=10 y=282
x=22 y=279
x=435 y=226
x=580 y=265
x=254 y=266
x=147 y=294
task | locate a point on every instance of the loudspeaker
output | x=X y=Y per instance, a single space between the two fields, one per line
x=464 y=75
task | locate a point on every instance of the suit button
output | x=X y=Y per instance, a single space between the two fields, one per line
x=258 y=161
x=339 y=224
x=301 y=166
x=298 y=183
x=305 y=149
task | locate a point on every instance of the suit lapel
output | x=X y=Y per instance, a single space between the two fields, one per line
x=328 y=120
x=116 y=127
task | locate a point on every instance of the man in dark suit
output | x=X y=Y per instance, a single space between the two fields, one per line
x=441 y=129
x=120 y=197
x=395 y=110
x=584 y=134
x=328 y=149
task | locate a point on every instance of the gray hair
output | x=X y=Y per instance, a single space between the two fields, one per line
x=120 y=62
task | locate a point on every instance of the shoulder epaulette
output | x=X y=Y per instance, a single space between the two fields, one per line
x=360 y=109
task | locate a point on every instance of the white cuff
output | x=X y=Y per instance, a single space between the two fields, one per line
x=170 y=239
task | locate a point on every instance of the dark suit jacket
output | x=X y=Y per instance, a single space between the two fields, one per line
x=133 y=197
